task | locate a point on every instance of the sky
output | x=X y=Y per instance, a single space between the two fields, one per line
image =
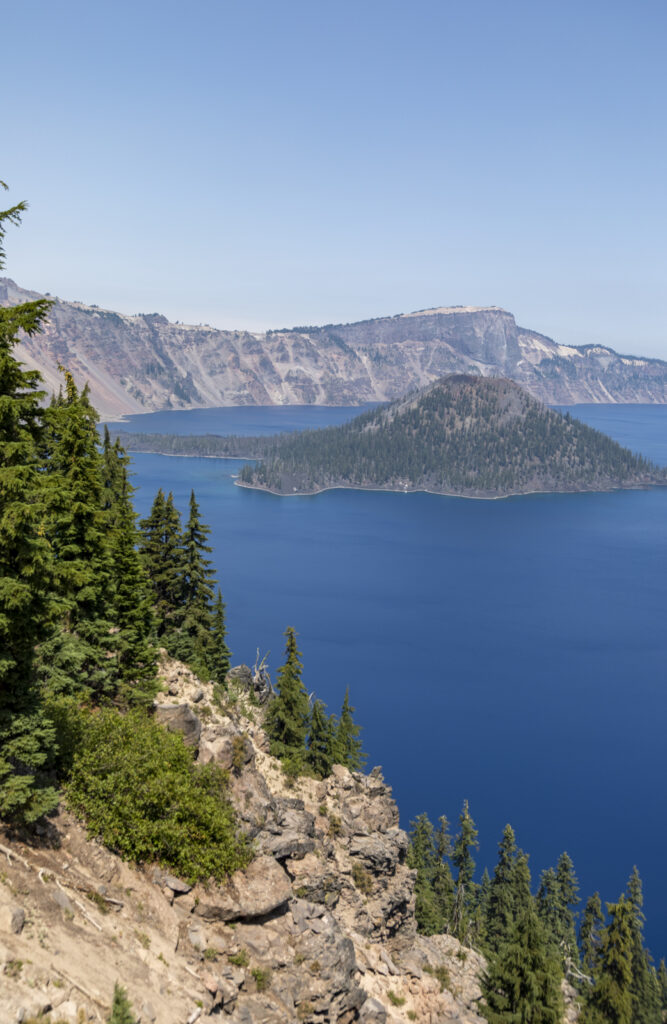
x=261 y=164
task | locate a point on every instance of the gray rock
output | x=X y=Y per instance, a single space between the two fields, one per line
x=259 y=890
x=286 y=844
x=372 y=1012
x=18 y=920
x=197 y=696
x=62 y=900
x=148 y=1014
x=229 y=748
x=180 y=718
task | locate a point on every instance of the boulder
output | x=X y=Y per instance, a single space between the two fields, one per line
x=180 y=718
x=372 y=1012
x=259 y=890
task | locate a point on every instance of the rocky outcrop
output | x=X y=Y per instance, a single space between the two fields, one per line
x=142 y=363
x=318 y=928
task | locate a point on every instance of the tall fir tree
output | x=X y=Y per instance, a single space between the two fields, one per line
x=502 y=902
x=610 y=1000
x=645 y=987
x=27 y=738
x=347 y=745
x=74 y=659
x=422 y=856
x=320 y=754
x=194 y=642
x=220 y=658
x=288 y=714
x=592 y=921
x=463 y=861
x=121 y=1009
x=161 y=545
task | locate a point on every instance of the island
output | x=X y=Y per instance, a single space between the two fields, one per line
x=467 y=435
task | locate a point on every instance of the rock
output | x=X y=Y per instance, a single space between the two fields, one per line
x=62 y=900
x=197 y=696
x=259 y=890
x=163 y=879
x=372 y=1012
x=12 y=919
x=241 y=676
x=148 y=1014
x=252 y=801
x=180 y=718
x=229 y=748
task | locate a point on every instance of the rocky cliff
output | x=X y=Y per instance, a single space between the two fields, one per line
x=142 y=363
x=319 y=928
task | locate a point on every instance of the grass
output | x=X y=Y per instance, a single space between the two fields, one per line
x=440 y=973
x=362 y=879
x=394 y=999
x=262 y=976
x=239 y=959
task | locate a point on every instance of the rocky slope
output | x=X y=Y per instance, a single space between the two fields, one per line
x=319 y=928
x=142 y=363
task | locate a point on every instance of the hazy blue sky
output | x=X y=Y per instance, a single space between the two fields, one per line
x=264 y=163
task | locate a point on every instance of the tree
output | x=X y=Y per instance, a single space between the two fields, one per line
x=522 y=982
x=162 y=551
x=502 y=901
x=288 y=713
x=27 y=738
x=463 y=861
x=194 y=641
x=347 y=745
x=422 y=857
x=645 y=987
x=589 y=933
x=220 y=659
x=611 y=998
x=320 y=741
x=121 y=1010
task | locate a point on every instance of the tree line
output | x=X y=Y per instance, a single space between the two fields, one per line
x=531 y=941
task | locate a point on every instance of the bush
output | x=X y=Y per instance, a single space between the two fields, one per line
x=137 y=789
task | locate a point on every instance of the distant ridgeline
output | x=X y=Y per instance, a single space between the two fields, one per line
x=463 y=435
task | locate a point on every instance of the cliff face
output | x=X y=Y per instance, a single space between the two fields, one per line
x=319 y=928
x=144 y=363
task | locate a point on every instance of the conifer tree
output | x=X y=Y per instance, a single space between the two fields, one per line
x=347 y=745
x=522 y=981
x=320 y=741
x=610 y=1001
x=463 y=861
x=194 y=641
x=502 y=892
x=220 y=658
x=74 y=658
x=162 y=551
x=662 y=985
x=27 y=738
x=443 y=883
x=589 y=933
x=287 y=716
x=121 y=1010
x=645 y=988
x=422 y=857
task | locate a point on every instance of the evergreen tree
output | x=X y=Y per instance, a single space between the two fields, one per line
x=288 y=714
x=132 y=611
x=347 y=745
x=162 y=551
x=442 y=882
x=556 y=898
x=320 y=741
x=502 y=897
x=662 y=984
x=522 y=981
x=121 y=1010
x=194 y=641
x=220 y=658
x=610 y=1001
x=74 y=658
x=27 y=738
x=463 y=861
x=422 y=857
x=645 y=988
x=589 y=933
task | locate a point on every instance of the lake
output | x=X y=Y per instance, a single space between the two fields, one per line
x=512 y=653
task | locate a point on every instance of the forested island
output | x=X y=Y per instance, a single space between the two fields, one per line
x=464 y=435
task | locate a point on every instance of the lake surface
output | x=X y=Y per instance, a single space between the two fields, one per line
x=512 y=653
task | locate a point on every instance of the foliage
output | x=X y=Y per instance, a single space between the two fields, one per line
x=121 y=1010
x=347 y=748
x=137 y=788
x=287 y=717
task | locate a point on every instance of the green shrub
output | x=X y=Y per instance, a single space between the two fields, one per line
x=121 y=1010
x=441 y=974
x=262 y=978
x=138 y=790
x=362 y=879
x=239 y=959
x=394 y=999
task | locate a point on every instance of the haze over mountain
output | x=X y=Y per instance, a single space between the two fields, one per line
x=143 y=363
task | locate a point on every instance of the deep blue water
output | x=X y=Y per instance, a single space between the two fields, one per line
x=509 y=652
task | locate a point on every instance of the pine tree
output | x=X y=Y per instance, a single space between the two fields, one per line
x=121 y=1010
x=162 y=551
x=347 y=745
x=74 y=658
x=589 y=933
x=422 y=857
x=220 y=658
x=320 y=741
x=132 y=611
x=645 y=988
x=610 y=1001
x=288 y=714
x=502 y=892
x=463 y=861
x=662 y=984
x=443 y=883
x=522 y=981
x=194 y=641
x=27 y=738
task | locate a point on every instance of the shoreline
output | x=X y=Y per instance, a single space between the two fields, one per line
x=444 y=494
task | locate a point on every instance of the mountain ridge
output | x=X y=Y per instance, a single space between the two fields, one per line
x=143 y=363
